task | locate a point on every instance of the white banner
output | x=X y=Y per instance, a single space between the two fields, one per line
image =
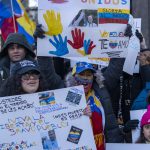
x=76 y=28
x=45 y=121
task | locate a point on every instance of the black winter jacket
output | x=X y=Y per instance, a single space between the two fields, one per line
x=46 y=66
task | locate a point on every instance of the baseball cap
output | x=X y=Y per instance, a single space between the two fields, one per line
x=82 y=66
x=25 y=66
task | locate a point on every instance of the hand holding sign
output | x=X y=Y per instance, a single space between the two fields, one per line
x=78 y=39
x=60 y=45
x=53 y=23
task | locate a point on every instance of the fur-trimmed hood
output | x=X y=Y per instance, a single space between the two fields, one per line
x=98 y=78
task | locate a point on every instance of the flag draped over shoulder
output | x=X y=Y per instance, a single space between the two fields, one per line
x=13 y=18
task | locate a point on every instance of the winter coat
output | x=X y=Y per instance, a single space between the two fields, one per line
x=45 y=63
x=47 y=70
x=112 y=131
x=140 y=102
x=132 y=85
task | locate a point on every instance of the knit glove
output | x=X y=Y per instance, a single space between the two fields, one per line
x=139 y=35
x=39 y=32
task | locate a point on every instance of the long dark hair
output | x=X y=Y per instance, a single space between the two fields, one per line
x=141 y=138
x=12 y=86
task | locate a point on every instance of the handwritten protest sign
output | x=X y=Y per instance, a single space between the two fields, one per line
x=93 y=28
x=46 y=120
x=124 y=146
x=136 y=114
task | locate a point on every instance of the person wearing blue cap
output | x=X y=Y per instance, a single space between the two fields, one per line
x=99 y=108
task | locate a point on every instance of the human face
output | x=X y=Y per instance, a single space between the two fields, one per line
x=85 y=78
x=146 y=132
x=16 y=52
x=30 y=82
x=90 y=19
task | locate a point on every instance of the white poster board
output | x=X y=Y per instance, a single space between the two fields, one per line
x=133 y=50
x=136 y=114
x=110 y=146
x=102 y=38
x=45 y=121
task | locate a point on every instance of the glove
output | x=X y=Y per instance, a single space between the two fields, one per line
x=128 y=31
x=39 y=32
x=139 y=35
x=130 y=125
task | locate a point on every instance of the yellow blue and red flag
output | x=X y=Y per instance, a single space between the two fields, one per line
x=13 y=18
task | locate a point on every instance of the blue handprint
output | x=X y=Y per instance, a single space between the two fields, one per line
x=60 y=45
x=86 y=45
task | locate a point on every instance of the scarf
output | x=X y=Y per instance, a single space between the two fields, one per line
x=97 y=119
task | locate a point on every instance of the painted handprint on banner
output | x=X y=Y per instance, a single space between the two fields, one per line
x=60 y=45
x=79 y=42
x=88 y=47
x=78 y=38
x=53 y=21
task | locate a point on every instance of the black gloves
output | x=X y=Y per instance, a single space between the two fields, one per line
x=39 y=32
x=130 y=125
x=139 y=35
x=128 y=31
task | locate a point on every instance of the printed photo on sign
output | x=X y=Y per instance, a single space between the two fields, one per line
x=49 y=140
x=73 y=98
x=74 y=135
x=85 y=18
x=46 y=98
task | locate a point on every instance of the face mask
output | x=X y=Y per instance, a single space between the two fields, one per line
x=87 y=83
x=83 y=81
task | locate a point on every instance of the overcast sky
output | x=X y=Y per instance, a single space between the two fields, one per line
x=33 y=3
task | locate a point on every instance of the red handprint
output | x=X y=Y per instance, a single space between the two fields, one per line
x=78 y=39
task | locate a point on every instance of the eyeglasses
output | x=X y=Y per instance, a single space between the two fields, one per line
x=28 y=76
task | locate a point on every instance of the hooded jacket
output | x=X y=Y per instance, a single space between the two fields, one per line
x=45 y=63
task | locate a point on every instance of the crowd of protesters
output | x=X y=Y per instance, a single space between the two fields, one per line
x=21 y=72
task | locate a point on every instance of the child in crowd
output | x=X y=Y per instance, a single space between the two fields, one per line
x=145 y=128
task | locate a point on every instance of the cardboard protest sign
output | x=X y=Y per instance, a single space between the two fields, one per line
x=136 y=114
x=76 y=28
x=110 y=146
x=46 y=120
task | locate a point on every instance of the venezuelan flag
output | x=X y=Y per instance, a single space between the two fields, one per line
x=107 y=15
x=13 y=18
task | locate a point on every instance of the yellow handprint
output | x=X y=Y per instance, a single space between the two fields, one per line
x=53 y=22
